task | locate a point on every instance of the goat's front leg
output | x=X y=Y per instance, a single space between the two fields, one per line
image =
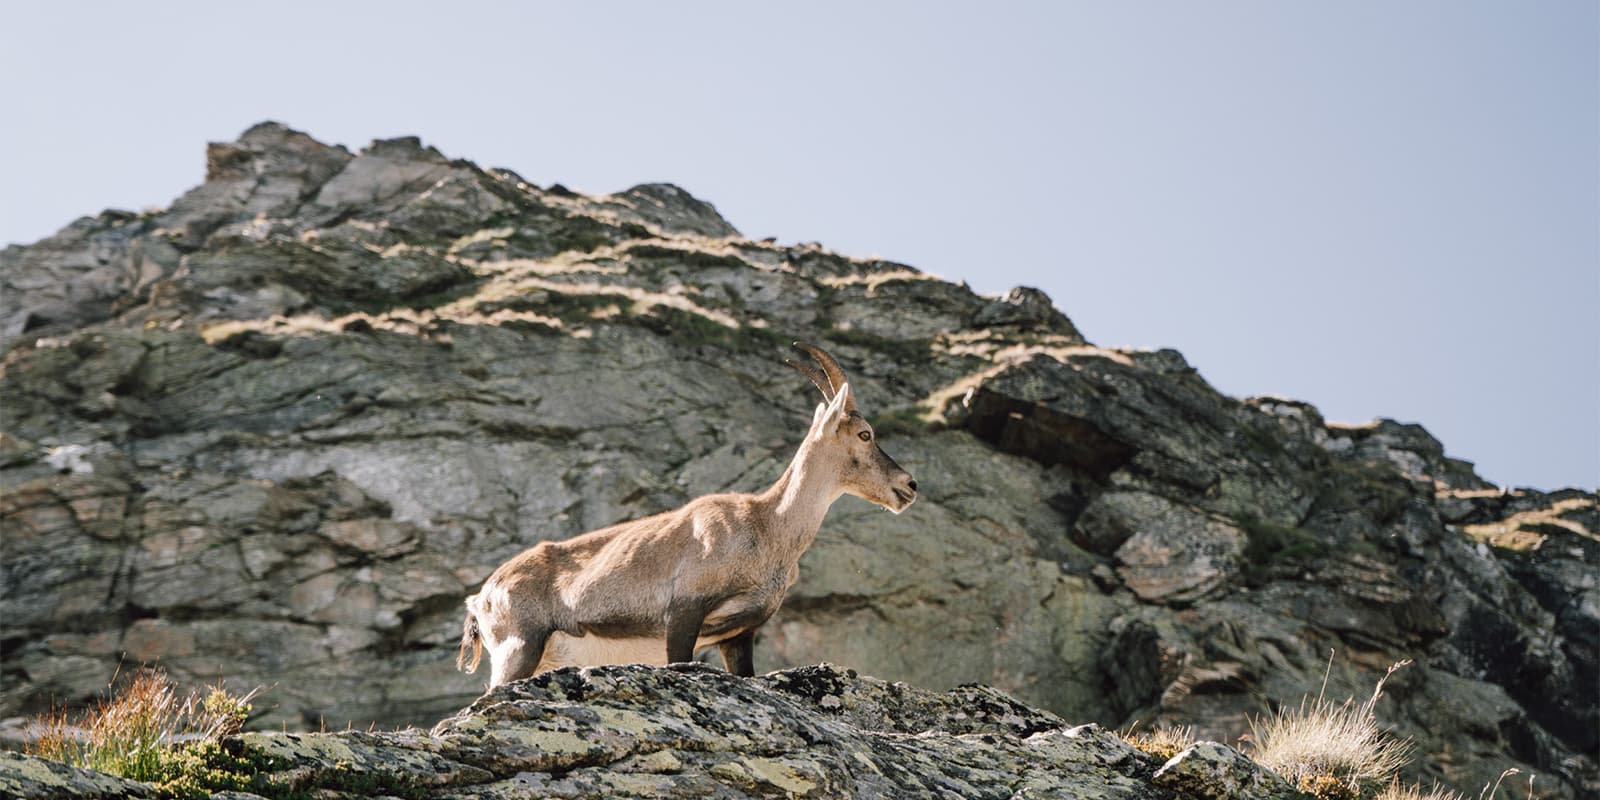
x=683 y=628
x=516 y=657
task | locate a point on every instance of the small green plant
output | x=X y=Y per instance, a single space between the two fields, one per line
x=1331 y=750
x=223 y=714
x=197 y=769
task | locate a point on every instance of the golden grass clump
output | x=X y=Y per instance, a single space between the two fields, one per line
x=131 y=733
x=124 y=735
x=1163 y=742
x=1322 y=745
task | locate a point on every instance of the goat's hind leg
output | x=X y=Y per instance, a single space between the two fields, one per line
x=738 y=654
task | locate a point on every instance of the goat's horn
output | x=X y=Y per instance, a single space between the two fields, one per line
x=830 y=367
x=816 y=376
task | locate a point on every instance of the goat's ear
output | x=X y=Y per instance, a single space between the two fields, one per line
x=839 y=409
x=816 y=421
x=832 y=414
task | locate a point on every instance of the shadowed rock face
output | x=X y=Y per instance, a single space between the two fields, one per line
x=278 y=431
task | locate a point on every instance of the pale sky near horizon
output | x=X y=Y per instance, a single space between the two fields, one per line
x=1383 y=208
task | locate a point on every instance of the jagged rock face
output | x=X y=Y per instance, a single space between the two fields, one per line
x=277 y=432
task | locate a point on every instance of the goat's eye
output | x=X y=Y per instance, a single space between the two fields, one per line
x=866 y=436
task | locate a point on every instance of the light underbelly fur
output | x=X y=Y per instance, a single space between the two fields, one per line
x=562 y=650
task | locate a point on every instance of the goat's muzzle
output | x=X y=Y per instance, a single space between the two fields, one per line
x=905 y=492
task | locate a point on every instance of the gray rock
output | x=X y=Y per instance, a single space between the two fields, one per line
x=1025 y=308
x=1167 y=552
x=26 y=777
x=669 y=209
x=1212 y=771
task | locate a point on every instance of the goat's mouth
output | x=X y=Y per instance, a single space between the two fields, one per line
x=904 y=498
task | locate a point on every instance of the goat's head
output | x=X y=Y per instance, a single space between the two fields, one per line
x=863 y=469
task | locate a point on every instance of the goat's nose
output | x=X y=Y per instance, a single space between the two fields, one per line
x=912 y=483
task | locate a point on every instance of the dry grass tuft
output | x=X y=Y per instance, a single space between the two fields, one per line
x=124 y=735
x=1489 y=792
x=130 y=733
x=1322 y=744
x=1396 y=791
x=1163 y=742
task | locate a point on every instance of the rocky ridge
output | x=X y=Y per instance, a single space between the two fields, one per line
x=276 y=432
x=691 y=731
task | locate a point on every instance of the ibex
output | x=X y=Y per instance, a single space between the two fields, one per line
x=655 y=590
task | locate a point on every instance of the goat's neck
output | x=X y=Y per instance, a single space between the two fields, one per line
x=801 y=497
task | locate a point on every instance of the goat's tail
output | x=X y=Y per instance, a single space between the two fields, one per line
x=470 y=640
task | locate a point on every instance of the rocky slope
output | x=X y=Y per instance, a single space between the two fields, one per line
x=276 y=432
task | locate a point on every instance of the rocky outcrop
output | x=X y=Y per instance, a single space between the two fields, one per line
x=692 y=731
x=276 y=433
x=32 y=778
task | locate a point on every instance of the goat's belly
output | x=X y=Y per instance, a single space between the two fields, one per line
x=562 y=650
x=590 y=651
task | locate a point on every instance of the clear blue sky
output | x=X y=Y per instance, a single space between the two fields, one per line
x=1385 y=208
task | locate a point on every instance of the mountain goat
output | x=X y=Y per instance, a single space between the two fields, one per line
x=655 y=590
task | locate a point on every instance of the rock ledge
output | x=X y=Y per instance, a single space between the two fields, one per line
x=691 y=731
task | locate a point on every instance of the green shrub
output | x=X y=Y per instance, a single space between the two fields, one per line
x=195 y=770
